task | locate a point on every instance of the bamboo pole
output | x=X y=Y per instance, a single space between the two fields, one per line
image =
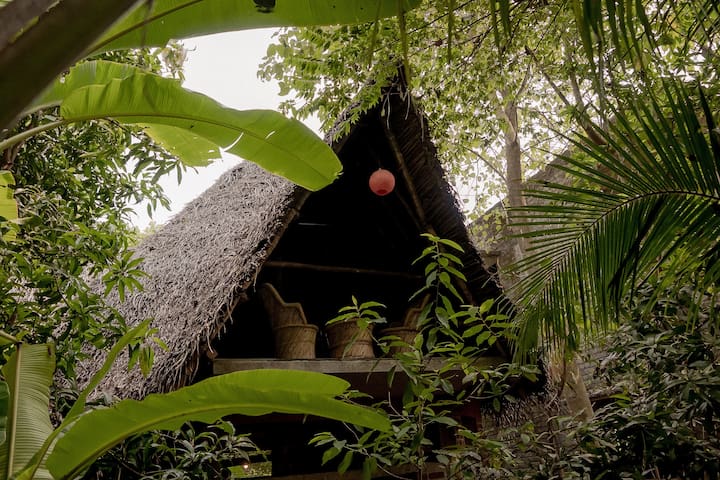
x=338 y=269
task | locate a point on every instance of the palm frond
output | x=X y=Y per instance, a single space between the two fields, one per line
x=635 y=206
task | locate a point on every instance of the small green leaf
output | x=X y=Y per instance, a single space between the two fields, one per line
x=451 y=244
x=329 y=454
x=486 y=306
x=451 y=422
x=345 y=463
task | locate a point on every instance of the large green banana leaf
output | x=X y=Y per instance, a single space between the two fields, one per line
x=29 y=374
x=172 y=19
x=70 y=29
x=191 y=125
x=255 y=392
x=83 y=75
x=5 y=339
x=4 y=407
x=8 y=207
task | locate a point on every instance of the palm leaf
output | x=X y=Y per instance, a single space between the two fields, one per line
x=651 y=195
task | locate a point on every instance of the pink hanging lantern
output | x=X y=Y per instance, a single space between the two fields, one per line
x=382 y=182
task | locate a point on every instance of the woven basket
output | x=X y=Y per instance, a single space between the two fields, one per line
x=295 y=341
x=406 y=334
x=347 y=340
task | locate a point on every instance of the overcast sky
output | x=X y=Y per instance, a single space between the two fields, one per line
x=224 y=67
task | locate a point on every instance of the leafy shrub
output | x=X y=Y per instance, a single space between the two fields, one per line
x=664 y=419
x=450 y=344
x=183 y=454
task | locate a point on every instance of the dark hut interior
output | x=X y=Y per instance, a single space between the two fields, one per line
x=346 y=241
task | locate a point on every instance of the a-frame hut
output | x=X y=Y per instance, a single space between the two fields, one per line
x=205 y=265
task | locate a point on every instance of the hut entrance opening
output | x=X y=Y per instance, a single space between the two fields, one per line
x=345 y=241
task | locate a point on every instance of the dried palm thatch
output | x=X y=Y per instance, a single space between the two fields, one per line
x=198 y=265
x=204 y=262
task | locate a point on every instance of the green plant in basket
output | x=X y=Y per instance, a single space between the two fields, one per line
x=350 y=332
x=363 y=314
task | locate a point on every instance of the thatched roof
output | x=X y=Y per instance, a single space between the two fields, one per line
x=205 y=260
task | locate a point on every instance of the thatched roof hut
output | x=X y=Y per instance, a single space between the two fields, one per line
x=204 y=264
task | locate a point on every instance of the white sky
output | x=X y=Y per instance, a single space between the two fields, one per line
x=223 y=67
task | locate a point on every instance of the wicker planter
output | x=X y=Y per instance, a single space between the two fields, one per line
x=295 y=341
x=348 y=340
x=406 y=334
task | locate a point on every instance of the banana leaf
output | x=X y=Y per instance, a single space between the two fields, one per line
x=253 y=392
x=191 y=125
x=165 y=20
x=4 y=407
x=29 y=374
x=8 y=207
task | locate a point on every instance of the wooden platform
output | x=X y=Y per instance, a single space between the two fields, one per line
x=366 y=375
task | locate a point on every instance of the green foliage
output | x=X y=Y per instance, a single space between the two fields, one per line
x=443 y=370
x=72 y=188
x=8 y=206
x=82 y=437
x=338 y=72
x=187 y=453
x=364 y=314
x=663 y=418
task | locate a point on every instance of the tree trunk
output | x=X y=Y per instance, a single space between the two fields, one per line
x=513 y=173
x=16 y=16
x=574 y=392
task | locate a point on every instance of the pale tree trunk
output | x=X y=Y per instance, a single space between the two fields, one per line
x=512 y=156
x=574 y=392
x=513 y=171
x=572 y=387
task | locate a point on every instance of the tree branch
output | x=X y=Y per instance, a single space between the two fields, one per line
x=580 y=106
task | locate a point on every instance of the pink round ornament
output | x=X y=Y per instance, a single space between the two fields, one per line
x=382 y=182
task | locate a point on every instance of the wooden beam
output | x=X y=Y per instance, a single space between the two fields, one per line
x=338 y=269
x=329 y=365
x=420 y=211
x=400 y=158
